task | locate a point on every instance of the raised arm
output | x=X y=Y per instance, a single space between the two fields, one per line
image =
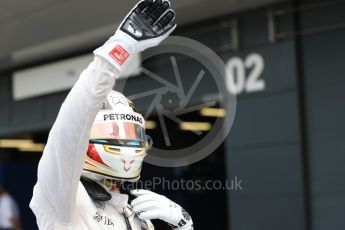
x=61 y=165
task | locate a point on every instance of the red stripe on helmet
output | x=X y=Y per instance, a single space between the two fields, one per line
x=93 y=154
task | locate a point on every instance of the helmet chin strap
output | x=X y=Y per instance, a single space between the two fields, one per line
x=95 y=190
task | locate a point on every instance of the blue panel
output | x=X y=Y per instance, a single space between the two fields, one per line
x=1 y=172
x=20 y=178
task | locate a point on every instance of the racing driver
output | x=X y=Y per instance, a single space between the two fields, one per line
x=98 y=141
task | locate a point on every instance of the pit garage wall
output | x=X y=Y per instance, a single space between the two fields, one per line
x=283 y=137
x=265 y=145
x=322 y=60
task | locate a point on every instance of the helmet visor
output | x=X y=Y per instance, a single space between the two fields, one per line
x=118 y=133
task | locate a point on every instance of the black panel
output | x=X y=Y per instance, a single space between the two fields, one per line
x=4 y=102
x=267 y=171
x=264 y=146
x=323 y=66
x=279 y=73
x=328 y=212
x=268 y=120
x=267 y=212
x=26 y=111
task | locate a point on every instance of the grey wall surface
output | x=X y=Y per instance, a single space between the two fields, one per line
x=34 y=114
x=322 y=57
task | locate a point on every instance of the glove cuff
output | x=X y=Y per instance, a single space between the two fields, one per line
x=118 y=50
x=184 y=220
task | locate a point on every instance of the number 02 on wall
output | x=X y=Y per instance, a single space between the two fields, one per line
x=244 y=75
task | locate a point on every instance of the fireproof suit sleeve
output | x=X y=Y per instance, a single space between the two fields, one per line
x=62 y=162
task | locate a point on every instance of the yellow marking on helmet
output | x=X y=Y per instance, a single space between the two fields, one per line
x=112 y=150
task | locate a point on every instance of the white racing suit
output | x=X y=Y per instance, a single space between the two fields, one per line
x=60 y=200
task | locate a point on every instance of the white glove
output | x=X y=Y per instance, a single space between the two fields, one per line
x=148 y=24
x=149 y=205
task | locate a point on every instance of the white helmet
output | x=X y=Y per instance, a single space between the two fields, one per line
x=118 y=142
